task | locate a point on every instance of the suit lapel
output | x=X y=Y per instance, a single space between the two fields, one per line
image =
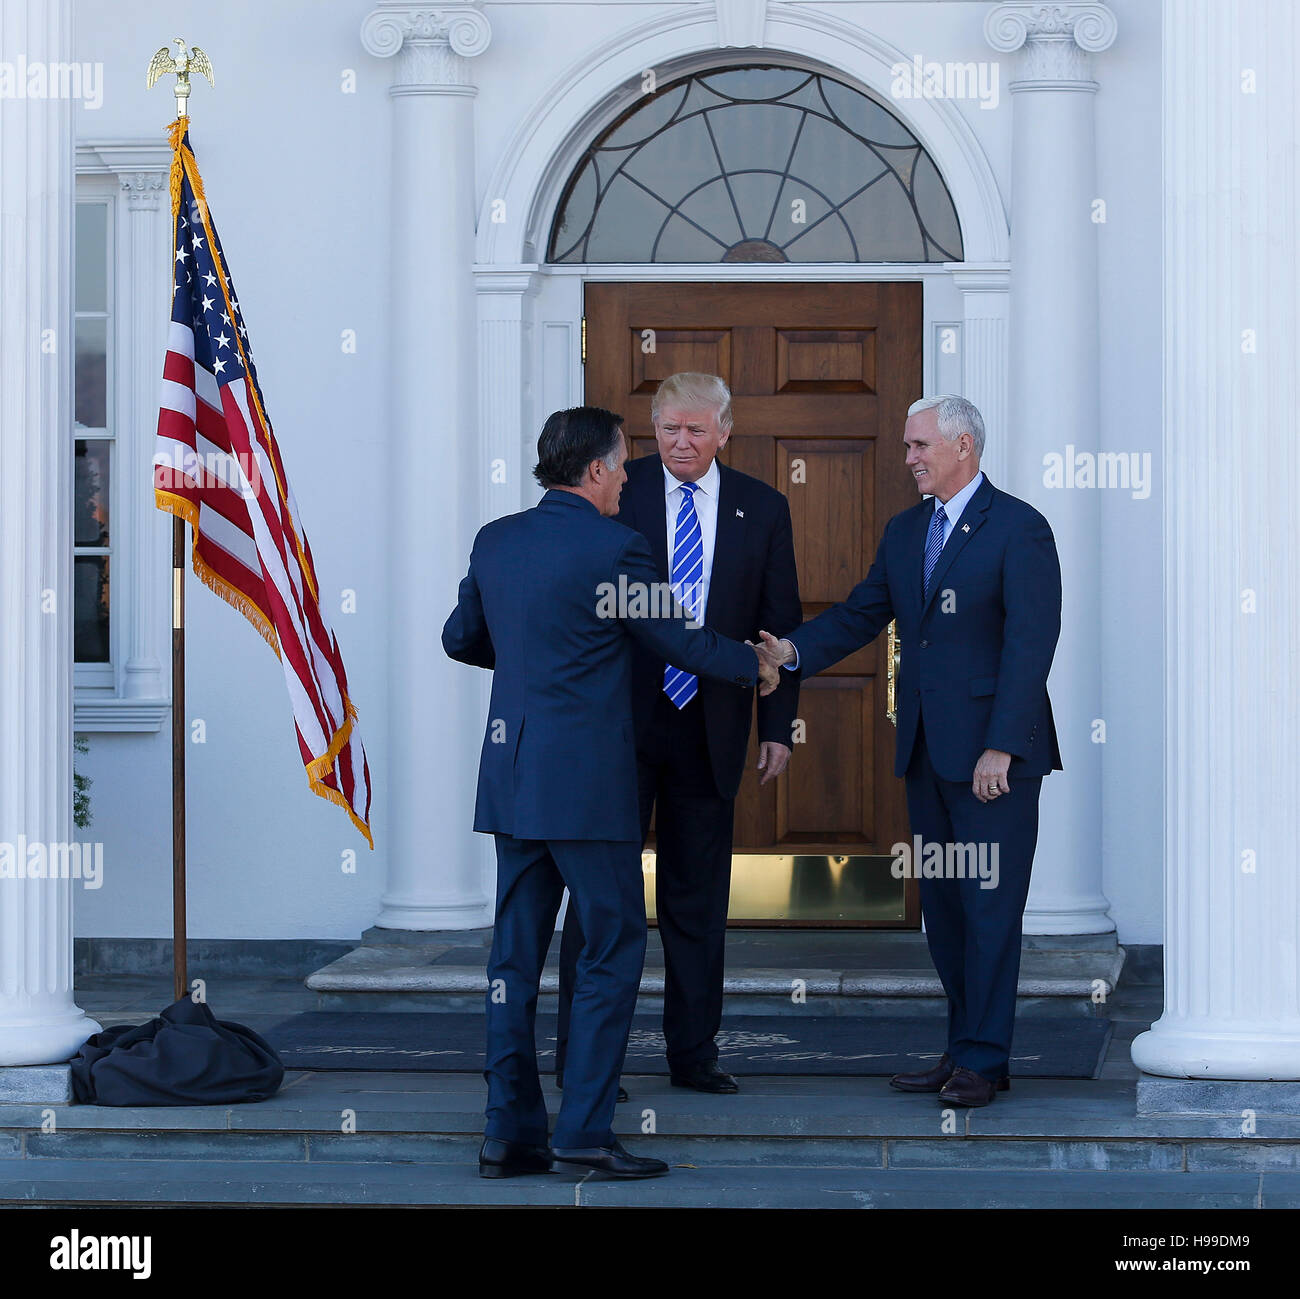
x=651 y=505
x=971 y=521
x=727 y=542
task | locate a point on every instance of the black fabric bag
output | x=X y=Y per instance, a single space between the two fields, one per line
x=186 y=1056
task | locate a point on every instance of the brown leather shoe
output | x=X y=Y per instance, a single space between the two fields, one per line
x=966 y=1087
x=932 y=1080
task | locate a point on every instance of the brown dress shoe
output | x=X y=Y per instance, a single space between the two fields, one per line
x=932 y=1080
x=966 y=1087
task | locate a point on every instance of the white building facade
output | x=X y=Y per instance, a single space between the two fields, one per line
x=387 y=177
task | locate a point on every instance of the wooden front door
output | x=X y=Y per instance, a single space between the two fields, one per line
x=821 y=376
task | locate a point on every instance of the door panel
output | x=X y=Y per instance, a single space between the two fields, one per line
x=821 y=377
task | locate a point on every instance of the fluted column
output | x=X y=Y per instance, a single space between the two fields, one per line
x=985 y=300
x=507 y=447
x=1232 y=566
x=39 y=1021
x=1053 y=404
x=435 y=861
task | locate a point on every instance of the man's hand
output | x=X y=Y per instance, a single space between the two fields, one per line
x=772 y=759
x=991 y=775
x=768 y=675
x=777 y=652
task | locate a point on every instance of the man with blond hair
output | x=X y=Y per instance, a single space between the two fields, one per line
x=723 y=539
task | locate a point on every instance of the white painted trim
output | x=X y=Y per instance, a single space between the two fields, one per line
x=133 y=175
x=606 y=80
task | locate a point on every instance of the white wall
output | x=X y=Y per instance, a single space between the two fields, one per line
x=299 y=188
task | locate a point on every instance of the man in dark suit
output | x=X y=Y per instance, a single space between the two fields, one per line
x=551 y=604
x=724 y=539
x=973 y=579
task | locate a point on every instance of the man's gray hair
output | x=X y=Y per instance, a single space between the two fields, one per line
x=956 y=416
x=694 y=390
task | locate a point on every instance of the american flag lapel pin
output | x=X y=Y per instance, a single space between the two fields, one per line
x=965 y=527
x=740 y=514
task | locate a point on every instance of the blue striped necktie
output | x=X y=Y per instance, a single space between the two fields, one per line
x=688 y=569
x=933 y=543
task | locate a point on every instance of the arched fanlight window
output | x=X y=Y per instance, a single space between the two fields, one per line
x=756 y=164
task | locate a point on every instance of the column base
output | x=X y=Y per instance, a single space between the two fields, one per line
x=35 y=1084
x=1090 y=916
x=1206 y=1053
x=474 y=914
x=45 y=1042
x=1231 y=1099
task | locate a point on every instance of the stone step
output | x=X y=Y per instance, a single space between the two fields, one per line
x=408 y=976
x=1042 y=1124
x=774 y=1185
x=959 y=1153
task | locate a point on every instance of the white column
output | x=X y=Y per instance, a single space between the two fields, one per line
x=435 y=861
x=1053 y=404
x=1232 y=566
x=984 y=356
x=39 y=1021
x=508 y=446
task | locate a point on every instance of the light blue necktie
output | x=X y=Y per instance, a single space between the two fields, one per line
x=688 y=569
x=933 y=544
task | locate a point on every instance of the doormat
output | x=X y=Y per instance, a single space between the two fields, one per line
x=866 y=1046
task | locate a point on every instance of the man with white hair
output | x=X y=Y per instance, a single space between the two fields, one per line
x=724 y=540
x=972 y=576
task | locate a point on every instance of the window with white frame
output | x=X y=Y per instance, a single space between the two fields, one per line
x=93 y=433
x=121 y=262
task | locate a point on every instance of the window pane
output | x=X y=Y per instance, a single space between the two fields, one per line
x=90 y=493
x=90 y=610
x=90 y=374
x=92 y=257
x=712 y=164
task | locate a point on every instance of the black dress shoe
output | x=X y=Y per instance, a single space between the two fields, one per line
x=497 y=1158
x=966 y=1087
x=707 y=1076
x=559 y=1084
x=930 y=1080
x=933 y=1080
x=612 y=1159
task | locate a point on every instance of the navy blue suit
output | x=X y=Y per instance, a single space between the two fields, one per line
x=975 y=659
x=690 y=760
x=557 y=788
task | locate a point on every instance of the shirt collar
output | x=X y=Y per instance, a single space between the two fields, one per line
x=958 y=501
x=708 y=484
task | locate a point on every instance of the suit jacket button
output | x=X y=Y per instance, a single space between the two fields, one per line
x=925 y=644
x=742 y=681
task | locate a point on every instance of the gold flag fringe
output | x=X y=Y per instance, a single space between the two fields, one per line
x=188 y=511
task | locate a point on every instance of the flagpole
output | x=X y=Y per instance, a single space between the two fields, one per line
x=187 y=59
x=180 y=980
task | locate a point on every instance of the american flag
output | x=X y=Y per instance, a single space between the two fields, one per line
x=218 y=466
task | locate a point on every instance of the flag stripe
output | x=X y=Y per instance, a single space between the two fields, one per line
x=217 y=464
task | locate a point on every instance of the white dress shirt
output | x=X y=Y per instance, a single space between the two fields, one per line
x=952 y=510
x=706 y=510
x=956 y=503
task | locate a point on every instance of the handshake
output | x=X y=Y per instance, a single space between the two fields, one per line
x=772 y=654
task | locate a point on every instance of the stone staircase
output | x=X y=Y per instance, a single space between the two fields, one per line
x=814 y=1141
x=781 y=1143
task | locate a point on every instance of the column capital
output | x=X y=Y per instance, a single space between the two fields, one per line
x=143 y=190
x=1055 y=40
x=431 y=43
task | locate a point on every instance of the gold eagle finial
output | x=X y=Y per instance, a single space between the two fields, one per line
x=189 y=59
